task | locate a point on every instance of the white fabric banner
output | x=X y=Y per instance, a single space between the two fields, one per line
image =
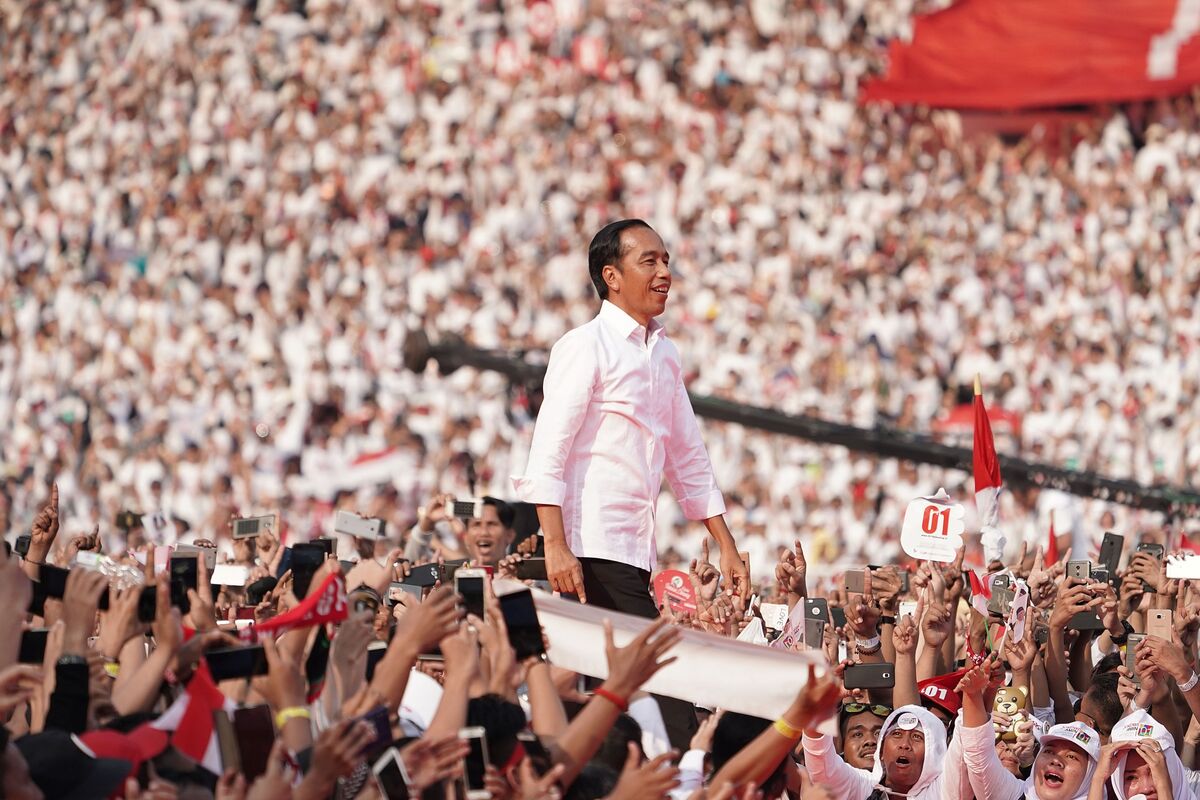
x=711 y=671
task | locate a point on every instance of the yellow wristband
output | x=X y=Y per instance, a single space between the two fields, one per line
x=113 y=669
x=786 y=730
x=288 y=714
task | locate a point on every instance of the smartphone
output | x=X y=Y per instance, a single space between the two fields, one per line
x=470 y=508
x=1079 y=569
x=532 y=569
x=870 y=676
x=856 y=581
x=1110 y=552
x=22 y=546
x=838 y=615
x=127 y=521
x=350 y=524
x=307 y=558
x=375 y=654
x=391 y=776
x=539 y=756
x=255 y=729
x=33 y=646
x=907 y=608
x=814 y=633
x=1100 y=574
x=396 y=589
x=1085 y=621
x=1156 y=551
x=53 y=582
x=250 y=527
x=1002 y=596
x=816 y=608
x=209 y=553
x=183 y=575
x=147 y=608
x=229 y=663
x=448 y=569
x=1131 y=655
x=378 y=719
x=327 y=545
x=469 y=585
x=1160 y=622
x=423 y=575
x=227 y=742
x=476 y=762
x=521 y=619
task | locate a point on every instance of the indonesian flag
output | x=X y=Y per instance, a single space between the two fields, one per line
x=190 y=720
x=1003 y=54
x=326 y=604
x=981 y=592
x=987 y=481
x=1052 y=545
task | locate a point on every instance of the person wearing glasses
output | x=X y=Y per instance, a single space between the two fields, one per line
x=859 y=725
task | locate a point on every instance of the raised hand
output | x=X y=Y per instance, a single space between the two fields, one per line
x=427 y=623
x=336 y=752
x=792 y=571
x=937 y=625
x=428 y=761
x=45 y=529
x=120 y=623
x=1020 y=653
x=650 y=781
x=705 y=577
x=975 y=682
x=18 y=684
x=631 y=666
x=906 y=636
x=703 y=738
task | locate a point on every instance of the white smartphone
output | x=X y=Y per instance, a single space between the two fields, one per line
x=476 y=763
x=907 y=607
x=391 y=776
x=469 y=585
x=350 y=524
x=249 y=527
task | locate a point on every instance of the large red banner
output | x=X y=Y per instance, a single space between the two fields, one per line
x=1004 y=54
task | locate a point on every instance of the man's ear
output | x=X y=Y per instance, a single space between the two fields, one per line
x=611 y=276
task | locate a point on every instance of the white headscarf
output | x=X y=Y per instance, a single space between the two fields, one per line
x=935 y=747
x=1070 y=733
x=1135 y=728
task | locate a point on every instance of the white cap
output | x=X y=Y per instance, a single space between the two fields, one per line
x=1078 y=734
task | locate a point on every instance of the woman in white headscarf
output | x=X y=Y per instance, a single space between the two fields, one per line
x=1143 y=763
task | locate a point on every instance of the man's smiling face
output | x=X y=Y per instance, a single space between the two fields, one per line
x=641 y=280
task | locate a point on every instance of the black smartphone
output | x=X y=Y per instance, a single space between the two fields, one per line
x=1110 y=553
x=817 y=608
x=147 y=608
x=521 y=619
x=870 y=676
x=229 y=663
x=307 y=558
x=22 y=546
x=389 y=775
x=450 y=568
x=1156 y=551
x=476 y=762
x=375 y=653
x=54 y=584
x=532 y=569
x=1085 y=621
x=838 y=616
x=326 y=544
x=469 y=585
x=255 y=729
x=186 y=570
x=377 y=718
x=423 y=575
x=33 y=646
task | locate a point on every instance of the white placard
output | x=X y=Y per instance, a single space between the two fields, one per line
x=775 y=615
x=229 y=575
x=933 y=528
x=1185 y=568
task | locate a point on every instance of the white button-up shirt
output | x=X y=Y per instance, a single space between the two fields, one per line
x=616 y=419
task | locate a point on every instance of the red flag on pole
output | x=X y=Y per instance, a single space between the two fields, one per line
x=1052 y=545
x=987 y=481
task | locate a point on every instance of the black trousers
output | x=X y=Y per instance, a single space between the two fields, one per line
x=621 y=587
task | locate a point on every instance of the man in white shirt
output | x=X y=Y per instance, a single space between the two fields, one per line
x=616 y=418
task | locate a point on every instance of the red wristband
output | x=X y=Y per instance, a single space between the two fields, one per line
x=612 y=698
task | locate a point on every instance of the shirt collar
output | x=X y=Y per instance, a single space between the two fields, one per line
x=622 y=323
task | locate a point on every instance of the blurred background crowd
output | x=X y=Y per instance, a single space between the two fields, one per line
x=219 y=220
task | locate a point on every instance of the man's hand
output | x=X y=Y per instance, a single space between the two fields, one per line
x=737 y=577
x=631 y=666
x=1167 y=656
x=87 y=541
x=336 y=752
x=80 y=601
x=45 y=529
x=792 y=571
x=818 y=700
x=1021 y=653
x=975 y=682
x=1074 y=597
x=120 y=623
x=863 y=615
x=705 y=578
x=18 y=683
x=703 y=738
x=564 y=571
x=168 y=624
x=905 y=635
x=937 y=625
x=284 y=686
x=650 y=781
x=427 y=623
x=429 y=761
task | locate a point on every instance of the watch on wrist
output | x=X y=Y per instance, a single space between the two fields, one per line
x=887 y=621
x=70 y=659
x=1122 y=637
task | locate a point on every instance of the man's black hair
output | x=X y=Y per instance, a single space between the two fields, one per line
x=614 y=750
x=504 y=511
x=605 y=249
x=502 y=720
x=1103 y=693
x=1108 y=663
x=733 y=733
x=594 y=782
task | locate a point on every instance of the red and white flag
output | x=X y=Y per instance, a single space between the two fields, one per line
x=987 y=482
x=981 y=592
x=190 y=720
x=1052 y=544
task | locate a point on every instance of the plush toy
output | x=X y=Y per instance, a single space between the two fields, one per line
x=1010 y=701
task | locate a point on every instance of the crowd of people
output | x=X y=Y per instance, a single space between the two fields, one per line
x=220 y=220
x=1050 y=681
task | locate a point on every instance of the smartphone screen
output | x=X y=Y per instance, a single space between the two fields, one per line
x=185 y=569
x=390 y=776
x=228 y=663
x=33 y=646
x=470 y=587
x=532 y=569
x=306 y=560
x=147 y=608
x=256 y=736
x=476 y=761
x=870 y=676
x=379 y=720
x=524 y=630
x=1131 y=655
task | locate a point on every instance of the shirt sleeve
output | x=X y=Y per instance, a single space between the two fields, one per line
x=688 y=469
x=989 y=778
x=827 y=768
x=955 y=781
x=567 y=392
